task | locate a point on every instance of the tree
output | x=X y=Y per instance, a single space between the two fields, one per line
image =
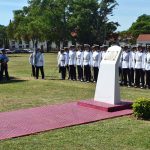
x=141 y=26
x=55 y=20
x=3 y=37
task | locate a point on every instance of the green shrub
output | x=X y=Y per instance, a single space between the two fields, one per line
x=141 y=108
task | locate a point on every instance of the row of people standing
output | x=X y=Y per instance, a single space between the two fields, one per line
x=134 y=67
x=83 y=58
x=4 y=64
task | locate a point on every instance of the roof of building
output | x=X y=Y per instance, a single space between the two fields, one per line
x=143 y=37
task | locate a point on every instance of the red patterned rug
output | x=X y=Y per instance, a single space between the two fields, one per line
x=29 y=121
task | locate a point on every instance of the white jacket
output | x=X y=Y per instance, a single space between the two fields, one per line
x=96 y=59
x=79 y=58
x=86 y=58
x=132 y=60
x=62 y=61
x=72 y=57
x=139 y=60
x=147 y=61
x=125 y=59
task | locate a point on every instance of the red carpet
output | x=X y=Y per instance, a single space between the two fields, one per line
x=29 y=121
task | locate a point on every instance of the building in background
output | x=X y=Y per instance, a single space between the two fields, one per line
x=143 y=39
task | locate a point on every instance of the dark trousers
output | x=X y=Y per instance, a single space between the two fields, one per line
x=4 y=68
x=63 y=72
x=120 y=75
x=67 y=70
x=72 y=72
x=148 y=78
x=37 y=71
x=33 y=70
x=126 y=74
x=132 y=75
x=80 y=72
x=87 y=73
x=95 y=71
x=139 y=76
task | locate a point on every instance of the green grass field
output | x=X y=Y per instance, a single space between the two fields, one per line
x=125 y=133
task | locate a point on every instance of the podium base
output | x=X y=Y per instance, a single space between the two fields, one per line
x=105 y=106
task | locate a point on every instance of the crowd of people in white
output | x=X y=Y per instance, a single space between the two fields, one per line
x=134 y=66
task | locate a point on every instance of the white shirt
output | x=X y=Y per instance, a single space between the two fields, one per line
x=96 y=59
x=147 y=61
x=125 y=59
x=79 y=58
x=139 y=60
x=31 y=59
x=132 y=60
x=72 y=57
x=86 y=58
x=62 y=61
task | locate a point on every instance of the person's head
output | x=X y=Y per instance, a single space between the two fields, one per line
x=72 y=47
x=87 y=47
x=61 y=51
x=148 y=48
x=79 y=47
x=125 y=48
x=95 y=47
x=139 y=48
x=66 y=49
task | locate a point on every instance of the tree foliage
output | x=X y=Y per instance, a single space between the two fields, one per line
x=55 y=20
x=141 y=26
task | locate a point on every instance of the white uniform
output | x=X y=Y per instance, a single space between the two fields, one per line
x=67 y=57
x=139 y=60
x=79 y=58
x=96 y=59
x=103 y=54
x=132 y=60
x=147 y=61
x=31 y=59
x=72 y=57
x=62 y=61
x=125 y=59
x=87 y=58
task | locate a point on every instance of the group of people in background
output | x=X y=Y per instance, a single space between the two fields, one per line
x=83 y=58
x=3 y=64
x=134 y=67
x=82 y=62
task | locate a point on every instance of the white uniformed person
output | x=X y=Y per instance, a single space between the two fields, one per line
x=79 y=62
x=62 y=62
x=87 y=62
x=139 y=61
x=31 y=61
x=95 y=61
x=72 y=62
x=147 y=67
x=125 y=57
x=132 y=63
x=66 y=52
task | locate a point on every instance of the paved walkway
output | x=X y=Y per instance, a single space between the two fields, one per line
x=34 y=120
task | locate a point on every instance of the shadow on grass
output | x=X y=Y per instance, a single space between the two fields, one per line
x=12 y=80
x=12 y=55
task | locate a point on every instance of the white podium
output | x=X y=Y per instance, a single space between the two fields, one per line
x=107 y=88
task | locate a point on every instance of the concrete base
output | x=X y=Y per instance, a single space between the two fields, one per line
x=105 y=106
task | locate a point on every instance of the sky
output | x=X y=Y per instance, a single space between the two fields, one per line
x=125 y=13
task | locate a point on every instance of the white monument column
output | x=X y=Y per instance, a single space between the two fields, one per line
x=108 y=88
